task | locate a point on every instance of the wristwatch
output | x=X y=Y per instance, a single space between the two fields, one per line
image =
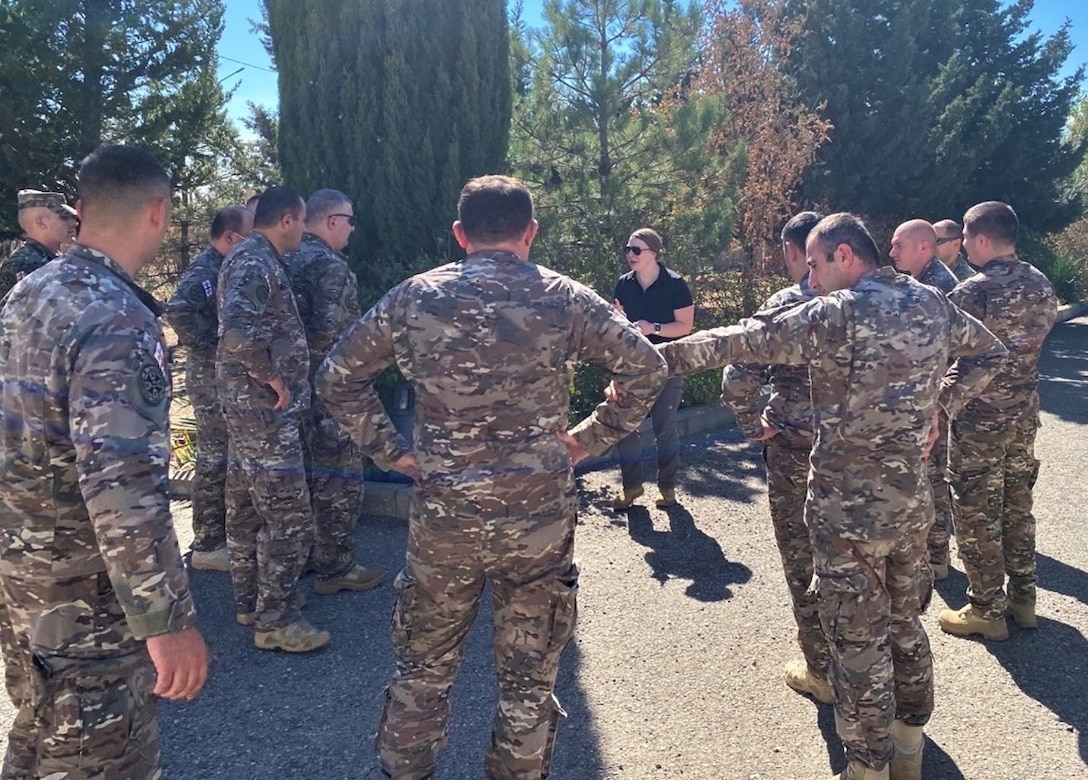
x=657 y=327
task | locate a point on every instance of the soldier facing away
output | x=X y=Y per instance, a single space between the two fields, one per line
x=489 y=344
x=784 y=426
x=877 y=344
x=914 y=244
x=89 y=562
x=992 y=442
x=48 y=223
x=327 y=295
x=261 y=368
x=192 y=313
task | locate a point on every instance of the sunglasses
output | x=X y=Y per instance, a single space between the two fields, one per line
x=636 y=250
x=950 y=238
x=349 y=217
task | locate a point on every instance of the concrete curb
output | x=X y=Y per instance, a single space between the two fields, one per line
x=1071 y=311
x=391 y=499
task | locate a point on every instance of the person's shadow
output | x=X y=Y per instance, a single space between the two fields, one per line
x=685 y=552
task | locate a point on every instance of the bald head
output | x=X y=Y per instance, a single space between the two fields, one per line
x=914 y=244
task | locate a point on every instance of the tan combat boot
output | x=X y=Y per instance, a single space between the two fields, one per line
x=666 y=499
x=625 y=498
x=297 y=637
x=356 y=578
x=969 y=621
x=211 y=560
x=250 y=618
x=907 y=761
x=802 y=679
x=856 y=771
x=1023 y=613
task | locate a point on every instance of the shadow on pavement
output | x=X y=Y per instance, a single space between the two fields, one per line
x=953 y=590
x=1059 y=577
x=266 y=714
x=1050 y=665
x=1063 y=372
x=685 y=552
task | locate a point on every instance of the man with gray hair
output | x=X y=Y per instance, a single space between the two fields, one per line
x=327 y=295
x=48 y=223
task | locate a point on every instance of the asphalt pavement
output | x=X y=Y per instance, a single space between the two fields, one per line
x=676 y=668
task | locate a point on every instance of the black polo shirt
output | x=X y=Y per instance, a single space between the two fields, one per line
x=657 y=302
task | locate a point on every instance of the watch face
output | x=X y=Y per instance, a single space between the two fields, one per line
x=657 y=327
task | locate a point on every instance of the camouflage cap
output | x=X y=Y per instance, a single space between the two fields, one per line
x=54 y=201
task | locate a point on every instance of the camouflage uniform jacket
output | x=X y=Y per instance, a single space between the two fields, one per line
x=490 y=345
x=961 y=269
x=789 y=408
x=191 y=310
x=83 y=461
x=31 y=256
x=326 y=292
x=1015 y=301
x=261 y=337
x=876 y=353
x=937 y=276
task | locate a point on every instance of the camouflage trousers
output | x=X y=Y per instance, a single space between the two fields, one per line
x=787 y=463
x=528 y=559
x=19 y=758
x=334 y=473
x=269 y=519
x=663 y=418
x=210 y=474
x=993 y=470
x=937 y=472
x=871 y=596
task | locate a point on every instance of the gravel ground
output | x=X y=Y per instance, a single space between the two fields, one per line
x=676 y=668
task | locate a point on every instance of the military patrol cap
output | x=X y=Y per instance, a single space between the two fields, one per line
x=54 y=201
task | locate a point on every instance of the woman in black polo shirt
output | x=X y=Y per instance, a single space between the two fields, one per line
x=657 y=300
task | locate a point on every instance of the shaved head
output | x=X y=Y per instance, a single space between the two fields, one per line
x=914 y=244
x=948 y=228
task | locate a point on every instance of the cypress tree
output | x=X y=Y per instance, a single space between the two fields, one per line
x=396 y=103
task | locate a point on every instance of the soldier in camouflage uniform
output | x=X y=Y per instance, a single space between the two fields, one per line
x=261 y=368
x=191 y=312
x=784 y=426
x=877 y=346
x=90 y=568
x=992 y=444
x=490 y=344
x=328 y=302
x=48 y=223
x=913 y=246
x=949 y=244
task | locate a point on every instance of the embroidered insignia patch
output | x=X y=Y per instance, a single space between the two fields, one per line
x=209 y=291
x=152 y=384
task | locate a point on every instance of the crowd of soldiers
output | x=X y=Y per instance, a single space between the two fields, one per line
x=903 y=403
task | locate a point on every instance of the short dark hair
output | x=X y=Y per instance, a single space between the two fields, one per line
x=494 y=208
x=324 y=202
x=844 y=228
x=797 y=229
x=120 y=180
x=231 y=217
x=993 y=219
x=274 y=203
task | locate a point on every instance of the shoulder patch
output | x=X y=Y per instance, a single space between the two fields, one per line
x=209 y=288
x=151 y=383
x=255 y=289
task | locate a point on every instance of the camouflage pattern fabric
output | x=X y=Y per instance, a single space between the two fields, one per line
x=327 y=294
x=993 y=465
x=786 y=455
x=269 y=519
x=876 y=354
x=89 y=561
x=19 y=758
x=31 y=256
x=961 y=269
x=192 y=313
x=260 y=334
x=490 y=345
x=937 y=275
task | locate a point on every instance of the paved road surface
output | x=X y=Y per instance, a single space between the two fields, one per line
x=676 y=668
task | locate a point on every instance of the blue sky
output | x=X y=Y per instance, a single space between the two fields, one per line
x=244 y=62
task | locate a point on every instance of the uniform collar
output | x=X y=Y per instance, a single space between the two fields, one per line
x=106 y=262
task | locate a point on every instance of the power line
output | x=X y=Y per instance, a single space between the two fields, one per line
x=247 y=64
